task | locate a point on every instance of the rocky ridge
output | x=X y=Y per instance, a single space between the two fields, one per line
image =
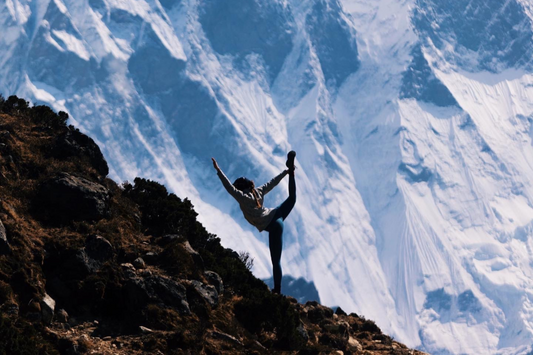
x=89 y=266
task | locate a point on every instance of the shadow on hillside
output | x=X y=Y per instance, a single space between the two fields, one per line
x=298 y=288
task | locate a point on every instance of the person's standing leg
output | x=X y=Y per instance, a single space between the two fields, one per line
x=275 y=242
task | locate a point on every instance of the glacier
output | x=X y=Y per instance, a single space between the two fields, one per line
x=412 y=120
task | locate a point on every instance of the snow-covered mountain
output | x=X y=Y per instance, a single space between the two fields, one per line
x=412 y=120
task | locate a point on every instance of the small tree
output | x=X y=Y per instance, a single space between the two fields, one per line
x=247 y=260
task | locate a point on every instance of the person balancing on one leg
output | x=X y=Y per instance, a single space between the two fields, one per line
x=250 y=199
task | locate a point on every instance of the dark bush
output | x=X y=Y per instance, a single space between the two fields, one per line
x=40 y=114
x=14 y=105
x=370 y=326
x=263 y=311
x=157 y=317
x=46 y=116
x=21 y=338
x=5 y=292
x=176 y=261
x=164 y=213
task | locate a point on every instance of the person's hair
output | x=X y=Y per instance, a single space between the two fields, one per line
x=243 y=183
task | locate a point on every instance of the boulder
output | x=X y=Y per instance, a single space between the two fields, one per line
x=139 y=264
x=167 y=239
x=5 y=248
x=207 y=292
x=316 y=312
x=194 y=254
x=47 y=308
x=214 y=279
x=342 y=328
x=98 y=248
x=169 y=292
x=340 y=312
x=150 y=257
x=129 y=270
x=145 y=330
x=354 y=345
x=202 y=298
x=181 y=260
x=139 y=291
x=77 y=265
x=73 y=143
x=62 y=316
x=303 y=332
x=225 y=337
x=66 y=198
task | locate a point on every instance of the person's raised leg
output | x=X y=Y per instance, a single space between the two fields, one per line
x=286 y=207
x=275 y=242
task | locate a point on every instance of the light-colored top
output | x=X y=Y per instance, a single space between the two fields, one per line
x=259 y=217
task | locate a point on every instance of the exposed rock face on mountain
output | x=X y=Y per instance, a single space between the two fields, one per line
x=4 y=245
x=73 y=143
x=93 y=267
x=65 y=197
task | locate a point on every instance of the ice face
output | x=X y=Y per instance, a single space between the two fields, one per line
x=477 y=35
x=420 y=83
x=247 y=27
x=334 y=41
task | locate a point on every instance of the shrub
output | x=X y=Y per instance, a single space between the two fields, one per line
x=247 y=260
x=46 y=116
x=263 y=311
x=40 y=114
x=164 y=213
x=6 y=293
x=157 y=317
x=21 y=338
x=14 y=105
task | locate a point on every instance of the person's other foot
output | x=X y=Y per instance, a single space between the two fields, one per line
x=290 y=160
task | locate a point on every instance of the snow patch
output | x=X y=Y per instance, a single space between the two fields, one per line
x=72 y=44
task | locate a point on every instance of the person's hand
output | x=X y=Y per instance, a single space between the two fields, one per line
x=215 y=165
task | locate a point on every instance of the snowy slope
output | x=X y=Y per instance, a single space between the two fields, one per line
x=412 y=120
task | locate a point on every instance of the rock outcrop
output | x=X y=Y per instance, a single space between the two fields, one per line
x=74 y=144
x=4 y=245
x=66 y=198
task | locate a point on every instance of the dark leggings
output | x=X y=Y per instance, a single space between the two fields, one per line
x=275 y=232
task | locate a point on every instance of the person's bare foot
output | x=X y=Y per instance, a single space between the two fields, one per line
x=290 y=160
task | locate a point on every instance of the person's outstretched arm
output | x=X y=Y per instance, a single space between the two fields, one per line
x=272 y=183
x=237 y=194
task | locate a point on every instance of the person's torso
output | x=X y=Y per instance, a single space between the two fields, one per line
x=257 y=216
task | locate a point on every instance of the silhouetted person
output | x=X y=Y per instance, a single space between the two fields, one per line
x=250 y=200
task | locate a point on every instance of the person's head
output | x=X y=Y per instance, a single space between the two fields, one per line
x=243 y=183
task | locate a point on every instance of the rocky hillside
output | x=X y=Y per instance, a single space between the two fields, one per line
x=90 y=266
